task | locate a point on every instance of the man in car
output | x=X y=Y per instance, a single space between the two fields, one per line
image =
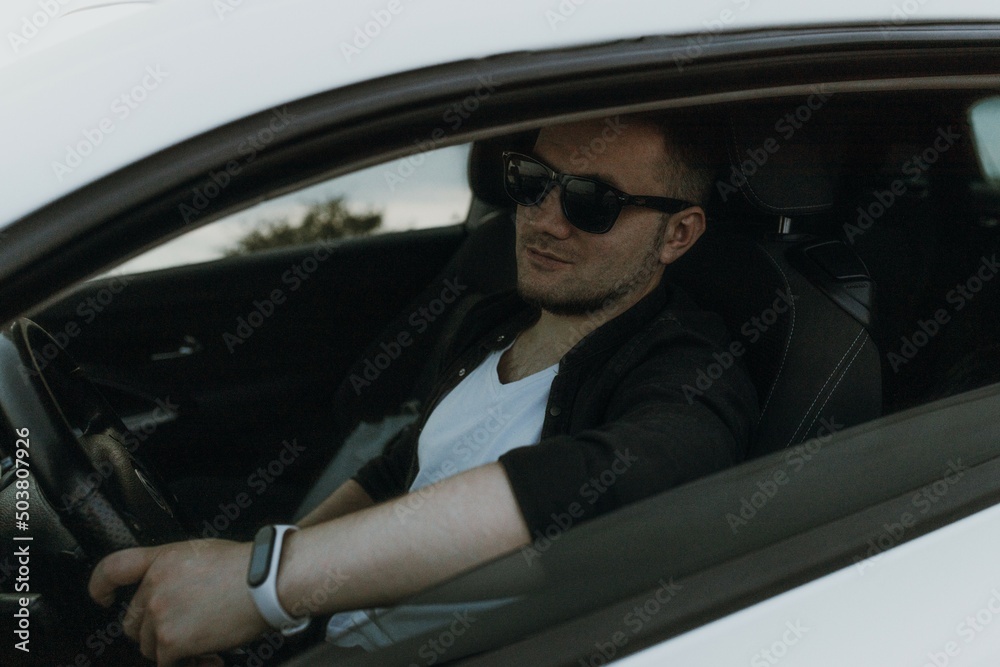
x=553 y=405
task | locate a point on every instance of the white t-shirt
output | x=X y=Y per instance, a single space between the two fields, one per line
x=480 y=420
x=477 y=422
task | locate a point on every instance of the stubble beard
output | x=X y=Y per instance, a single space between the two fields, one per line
x=603 y=297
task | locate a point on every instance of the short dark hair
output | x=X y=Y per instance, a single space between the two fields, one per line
x=695 y=147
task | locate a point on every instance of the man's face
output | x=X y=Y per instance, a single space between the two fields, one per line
x=567 y=271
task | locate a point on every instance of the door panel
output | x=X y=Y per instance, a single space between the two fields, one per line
x=214 y=366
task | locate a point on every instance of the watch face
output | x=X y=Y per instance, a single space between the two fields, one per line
x=260 y=557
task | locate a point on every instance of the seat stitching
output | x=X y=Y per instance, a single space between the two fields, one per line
x=829 y=377
x=834 y=389
x=788 y=341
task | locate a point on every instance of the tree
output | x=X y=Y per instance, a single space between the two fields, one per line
x=323 y=221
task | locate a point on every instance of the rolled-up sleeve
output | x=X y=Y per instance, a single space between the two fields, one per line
x=385 y=476
x=660 y=430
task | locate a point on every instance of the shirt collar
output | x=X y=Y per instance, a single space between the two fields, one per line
x=609 y=334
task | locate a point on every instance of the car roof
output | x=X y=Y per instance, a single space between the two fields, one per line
x=123 y=79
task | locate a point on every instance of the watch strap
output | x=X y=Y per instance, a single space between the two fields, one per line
x=265 y=596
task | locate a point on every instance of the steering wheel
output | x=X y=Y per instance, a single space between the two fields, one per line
x=80 y=457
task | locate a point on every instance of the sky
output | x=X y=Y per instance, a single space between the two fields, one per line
x=986 y=123
x=410 y=196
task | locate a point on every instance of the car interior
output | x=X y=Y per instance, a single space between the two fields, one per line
x=866 y=214
x=794 y=227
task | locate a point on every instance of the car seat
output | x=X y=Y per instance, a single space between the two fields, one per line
x=815 y=366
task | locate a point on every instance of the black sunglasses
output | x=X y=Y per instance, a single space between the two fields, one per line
x=588 y=204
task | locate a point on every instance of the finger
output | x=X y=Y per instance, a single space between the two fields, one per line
x=119 y=569
x=147 y=637
x=132 y=622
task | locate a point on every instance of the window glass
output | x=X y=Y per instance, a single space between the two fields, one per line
x=985 y=119
x=419 y=191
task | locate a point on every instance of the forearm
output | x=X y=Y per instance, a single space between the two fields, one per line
x=382 y=554
x=349 y=497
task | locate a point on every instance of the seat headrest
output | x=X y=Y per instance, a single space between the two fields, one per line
x=486 y=165
x=785 y=156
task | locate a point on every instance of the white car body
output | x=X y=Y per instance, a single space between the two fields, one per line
x=933 y=601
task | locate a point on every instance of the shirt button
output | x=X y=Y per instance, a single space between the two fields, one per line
x=461 y=372
x=555 y=411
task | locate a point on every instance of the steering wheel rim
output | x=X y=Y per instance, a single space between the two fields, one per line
x=104 y=495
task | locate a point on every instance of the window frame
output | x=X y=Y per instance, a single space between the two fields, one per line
x=135 y=208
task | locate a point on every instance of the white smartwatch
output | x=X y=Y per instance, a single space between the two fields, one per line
x=262 y=579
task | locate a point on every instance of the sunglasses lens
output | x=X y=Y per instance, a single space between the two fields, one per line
x=590 y=205
x=526 y=182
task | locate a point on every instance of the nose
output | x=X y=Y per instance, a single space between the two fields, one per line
x=547 y=216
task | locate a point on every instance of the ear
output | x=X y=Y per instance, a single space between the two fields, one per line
x=683 y=229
